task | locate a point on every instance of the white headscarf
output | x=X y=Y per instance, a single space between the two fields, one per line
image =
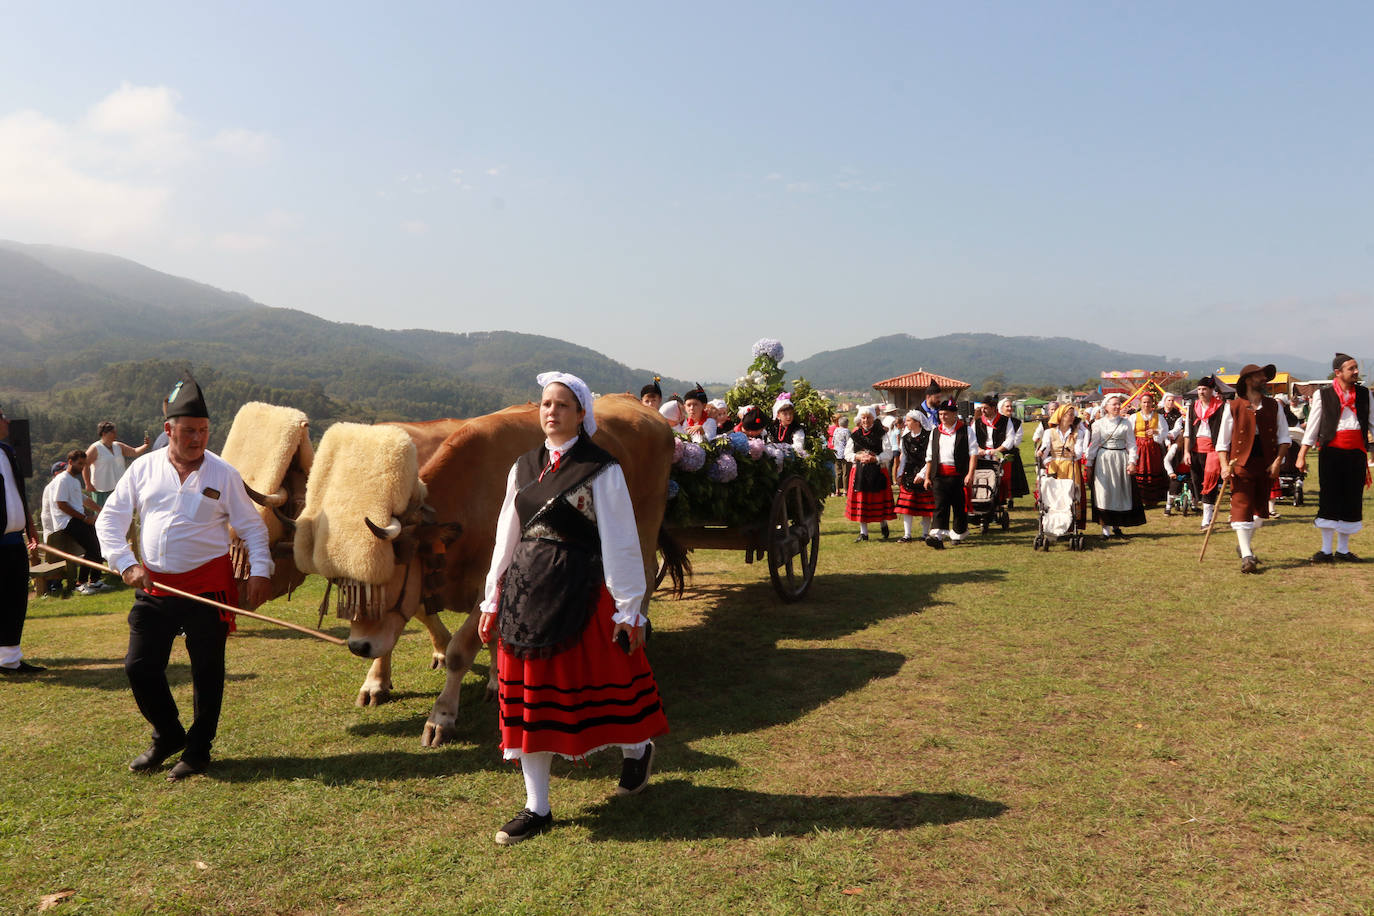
x=580 y=391
x=784 y=400
x=672 y=412
x=1005 y=402
x=865 y=410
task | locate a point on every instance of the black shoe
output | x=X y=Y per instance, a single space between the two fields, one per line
x=152 y=758
x=1320 y=557
x=862 y=537
x=1121 y=535
x=1343 y=557
x=1249 y=565
x=904 y=540
x=935 y=542
x=634 y=772
x=885 y=532
x=523 y=826
x=22 y=668
x=187 y=767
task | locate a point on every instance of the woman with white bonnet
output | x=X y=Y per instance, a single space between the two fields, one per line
x=1111 y=458
x=1011 y=449
x=913 y=499
x=870 y=490
x=674 y=412
x=565 y=595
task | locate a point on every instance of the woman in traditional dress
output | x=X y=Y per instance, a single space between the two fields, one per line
x=1151 y=438
x=870 y=489
x=1063 y=445
x=1011 y=450
x=913 y=499
x=1112 y=456
x=564 y=594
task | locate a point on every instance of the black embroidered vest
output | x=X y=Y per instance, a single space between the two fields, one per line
x=914 y=446
x=555 y=578
x=869 y=478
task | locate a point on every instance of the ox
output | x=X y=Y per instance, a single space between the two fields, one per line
x=441 y=540
x=270 y=447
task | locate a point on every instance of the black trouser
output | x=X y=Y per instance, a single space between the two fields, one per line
x=1341 y=498
x=154 y=622
x=84 y=535
x=14 y=591
x=949 y=497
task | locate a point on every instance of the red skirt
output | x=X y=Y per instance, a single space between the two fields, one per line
x=919 y=501
x=586 y=697
x=872 y=506
x=1150 y=477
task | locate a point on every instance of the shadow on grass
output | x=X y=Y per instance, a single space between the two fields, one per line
x=679 y=810
x=345 y=769
x=108 y=674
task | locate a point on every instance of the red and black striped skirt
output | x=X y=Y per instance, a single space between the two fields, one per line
x=874 y=505
x=919 y=501
x=589 y=696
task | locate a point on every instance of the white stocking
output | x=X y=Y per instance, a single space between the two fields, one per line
x=925 y=526
x=1342 y=541
x=536 y=767
x=1244 y=536
x=863 y=528
x=906 y=525
x=1328 y=535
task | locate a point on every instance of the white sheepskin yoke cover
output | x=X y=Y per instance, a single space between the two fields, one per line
x=262 y=442
x=360 y=472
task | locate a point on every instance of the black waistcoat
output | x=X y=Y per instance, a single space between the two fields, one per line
x=869 y=478
x=1331 y=413
x=555 y=578
x=914 y=446
x=960 y=450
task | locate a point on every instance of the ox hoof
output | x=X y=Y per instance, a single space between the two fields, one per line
x=373 y=696
x=437 y=733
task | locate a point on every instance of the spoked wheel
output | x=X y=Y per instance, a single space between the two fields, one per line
x=1004 y=519
x=794 y=539
x=1039 y=543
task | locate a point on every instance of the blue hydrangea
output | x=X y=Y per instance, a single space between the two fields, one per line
x=673 y=488
x=693 y=457
x=723 y=469
x=767 y=346
x=739 y=442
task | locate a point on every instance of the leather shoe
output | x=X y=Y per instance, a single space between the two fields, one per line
x=22 y=668
x=186 y=768
x=152 y=758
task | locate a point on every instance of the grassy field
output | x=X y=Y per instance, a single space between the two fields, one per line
x=985 y=729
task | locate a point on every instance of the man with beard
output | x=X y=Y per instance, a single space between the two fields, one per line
x=1250 y=448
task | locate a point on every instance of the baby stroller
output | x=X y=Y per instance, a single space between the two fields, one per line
x=987 y=499
x=1290 y=478
x=1057 y=512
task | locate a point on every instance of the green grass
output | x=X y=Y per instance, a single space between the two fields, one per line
x=974 y=730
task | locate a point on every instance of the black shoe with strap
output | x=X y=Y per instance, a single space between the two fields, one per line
x=1322 y=556
x=22 y=668
x=1346 y=557
x=523 y=826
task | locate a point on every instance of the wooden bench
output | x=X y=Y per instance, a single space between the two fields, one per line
x=45 y=574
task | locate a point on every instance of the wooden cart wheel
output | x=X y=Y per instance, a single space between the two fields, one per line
x=794 y=538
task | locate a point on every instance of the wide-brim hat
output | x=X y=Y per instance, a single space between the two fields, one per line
x=1250 y=368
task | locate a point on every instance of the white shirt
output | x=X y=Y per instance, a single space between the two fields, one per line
x=108 y=467
x=14 y=506
x=621 y=561
x=62 y=488
x=883 y=457
x=1227 y=424
x=1077 y=437
x=1349 y=420
x=941 y=448
x=182 y=524
x=708 y=430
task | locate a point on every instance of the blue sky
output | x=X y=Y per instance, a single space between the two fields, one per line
x=666 y=183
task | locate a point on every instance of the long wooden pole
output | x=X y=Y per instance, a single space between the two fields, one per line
x=1224 y=484
x=202 y=599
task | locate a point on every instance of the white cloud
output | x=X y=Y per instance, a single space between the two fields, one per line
x=111 y=175
x=253 y=145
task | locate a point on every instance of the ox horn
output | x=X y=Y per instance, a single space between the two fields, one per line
x=286 y=520
x=389 y=533
x=276 y=499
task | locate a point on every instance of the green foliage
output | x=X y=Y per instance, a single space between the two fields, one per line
x=747 y=498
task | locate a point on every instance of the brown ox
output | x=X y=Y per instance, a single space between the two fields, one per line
x=466 y=482
x=270 y=447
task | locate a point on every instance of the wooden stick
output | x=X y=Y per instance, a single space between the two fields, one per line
x=202 y=599
x=1222 y=492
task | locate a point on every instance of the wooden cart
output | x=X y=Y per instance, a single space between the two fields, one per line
x=790 y=538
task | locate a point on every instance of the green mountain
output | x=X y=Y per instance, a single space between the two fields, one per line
x=1017 y=361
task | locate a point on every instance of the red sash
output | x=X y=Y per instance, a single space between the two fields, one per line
x=216 y=576
x=949 y=470
x=1347 y=438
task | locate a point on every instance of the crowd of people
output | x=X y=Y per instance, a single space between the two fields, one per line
x=1120 y=461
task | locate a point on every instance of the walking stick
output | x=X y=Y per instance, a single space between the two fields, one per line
x=203 y=600
x=1206 y=537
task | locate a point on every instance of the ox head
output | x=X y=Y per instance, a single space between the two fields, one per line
x=367 y=529
x=270 y=448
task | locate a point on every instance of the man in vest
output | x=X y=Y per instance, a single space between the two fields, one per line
x=949 y=469
x=1201 y=426
x=1339 y=423
x=18 y=539
x=1250 y=448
